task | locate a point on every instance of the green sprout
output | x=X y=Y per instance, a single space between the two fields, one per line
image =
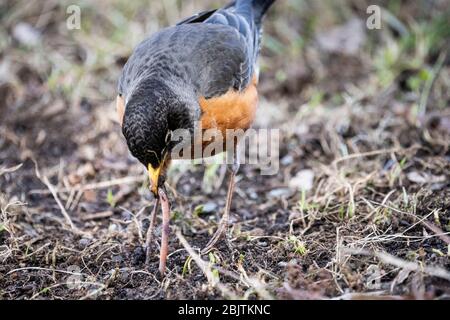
x=110 y=198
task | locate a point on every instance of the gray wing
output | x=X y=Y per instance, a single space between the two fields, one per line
x=214 y=56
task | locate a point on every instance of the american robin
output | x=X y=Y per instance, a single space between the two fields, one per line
x=201 y=72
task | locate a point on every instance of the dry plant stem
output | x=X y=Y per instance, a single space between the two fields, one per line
x=165 y=231
x=96 y=185
x=58 y=202
x=223 y=225
x=205 y=267
x=437 y=231
x=397 y=262
x=149 y=238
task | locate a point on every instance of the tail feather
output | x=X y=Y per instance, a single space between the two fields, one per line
x=256 y=8
x=260 y=8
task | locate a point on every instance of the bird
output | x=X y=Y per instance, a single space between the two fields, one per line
x=200 y=73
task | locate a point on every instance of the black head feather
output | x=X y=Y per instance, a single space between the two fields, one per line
x=145 y=123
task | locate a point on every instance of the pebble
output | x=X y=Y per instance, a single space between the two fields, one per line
x=26 y=34
x=209 y=207
x=113 y=227
x=279 y=192
x=126 y=216
x=303 y=180
x=253 y=195
x=287 y=160
x=263 y=243
x=117 y=259
x=84 y=242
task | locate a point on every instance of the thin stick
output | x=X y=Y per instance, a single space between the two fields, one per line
x=97 y=185
x=437 y=231
x=52 y=190
x=9 y=170
x=45 y=269
x=60 y=205
x=165 y=231
x=97 y=215
x=205 y=267
x=149 y=238
x=364 y=154
x=397 y=262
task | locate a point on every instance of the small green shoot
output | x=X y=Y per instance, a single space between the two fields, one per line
x=176 y=215
x=186 y=266
x=212 y=261
x=110 y=198
x=298 y=246
x=198 y=211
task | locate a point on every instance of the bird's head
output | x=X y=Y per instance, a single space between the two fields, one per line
x=145 y=127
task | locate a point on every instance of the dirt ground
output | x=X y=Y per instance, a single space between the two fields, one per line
x=359 y=209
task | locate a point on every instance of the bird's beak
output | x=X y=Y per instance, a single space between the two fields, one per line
x=154 y=178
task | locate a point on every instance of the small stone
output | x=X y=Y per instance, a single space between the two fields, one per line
x=252 y=195
x=287 y=160
x=263 y=243
x=303 y=180
x=209 y=207
x=26 y=34
x=117 y=259
x=84 y=242
x=112 y=227
x=126 y=216
x=280 y=192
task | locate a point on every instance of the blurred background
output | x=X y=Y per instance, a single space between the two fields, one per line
x=365 y=125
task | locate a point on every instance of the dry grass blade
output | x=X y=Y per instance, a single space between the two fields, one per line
x=54 y=193
x=9 y=170
x=432 y=227
x=97 y=185
x=364 y=154
x=376 y=295
x=400 y=263
x=205 y=268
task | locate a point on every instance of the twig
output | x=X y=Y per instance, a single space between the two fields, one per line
x=11 y=169
x=52 y=190
x=44 y=269
x=376 y=295
x=364 y=154
x=437 y=231
x=60 y=205
x=204 y=267
x=98 y=215
x=397 y=262
x=96 y=185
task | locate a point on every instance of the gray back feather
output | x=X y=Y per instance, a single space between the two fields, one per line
x=208 y=58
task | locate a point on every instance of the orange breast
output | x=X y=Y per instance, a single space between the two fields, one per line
x=233 y=110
